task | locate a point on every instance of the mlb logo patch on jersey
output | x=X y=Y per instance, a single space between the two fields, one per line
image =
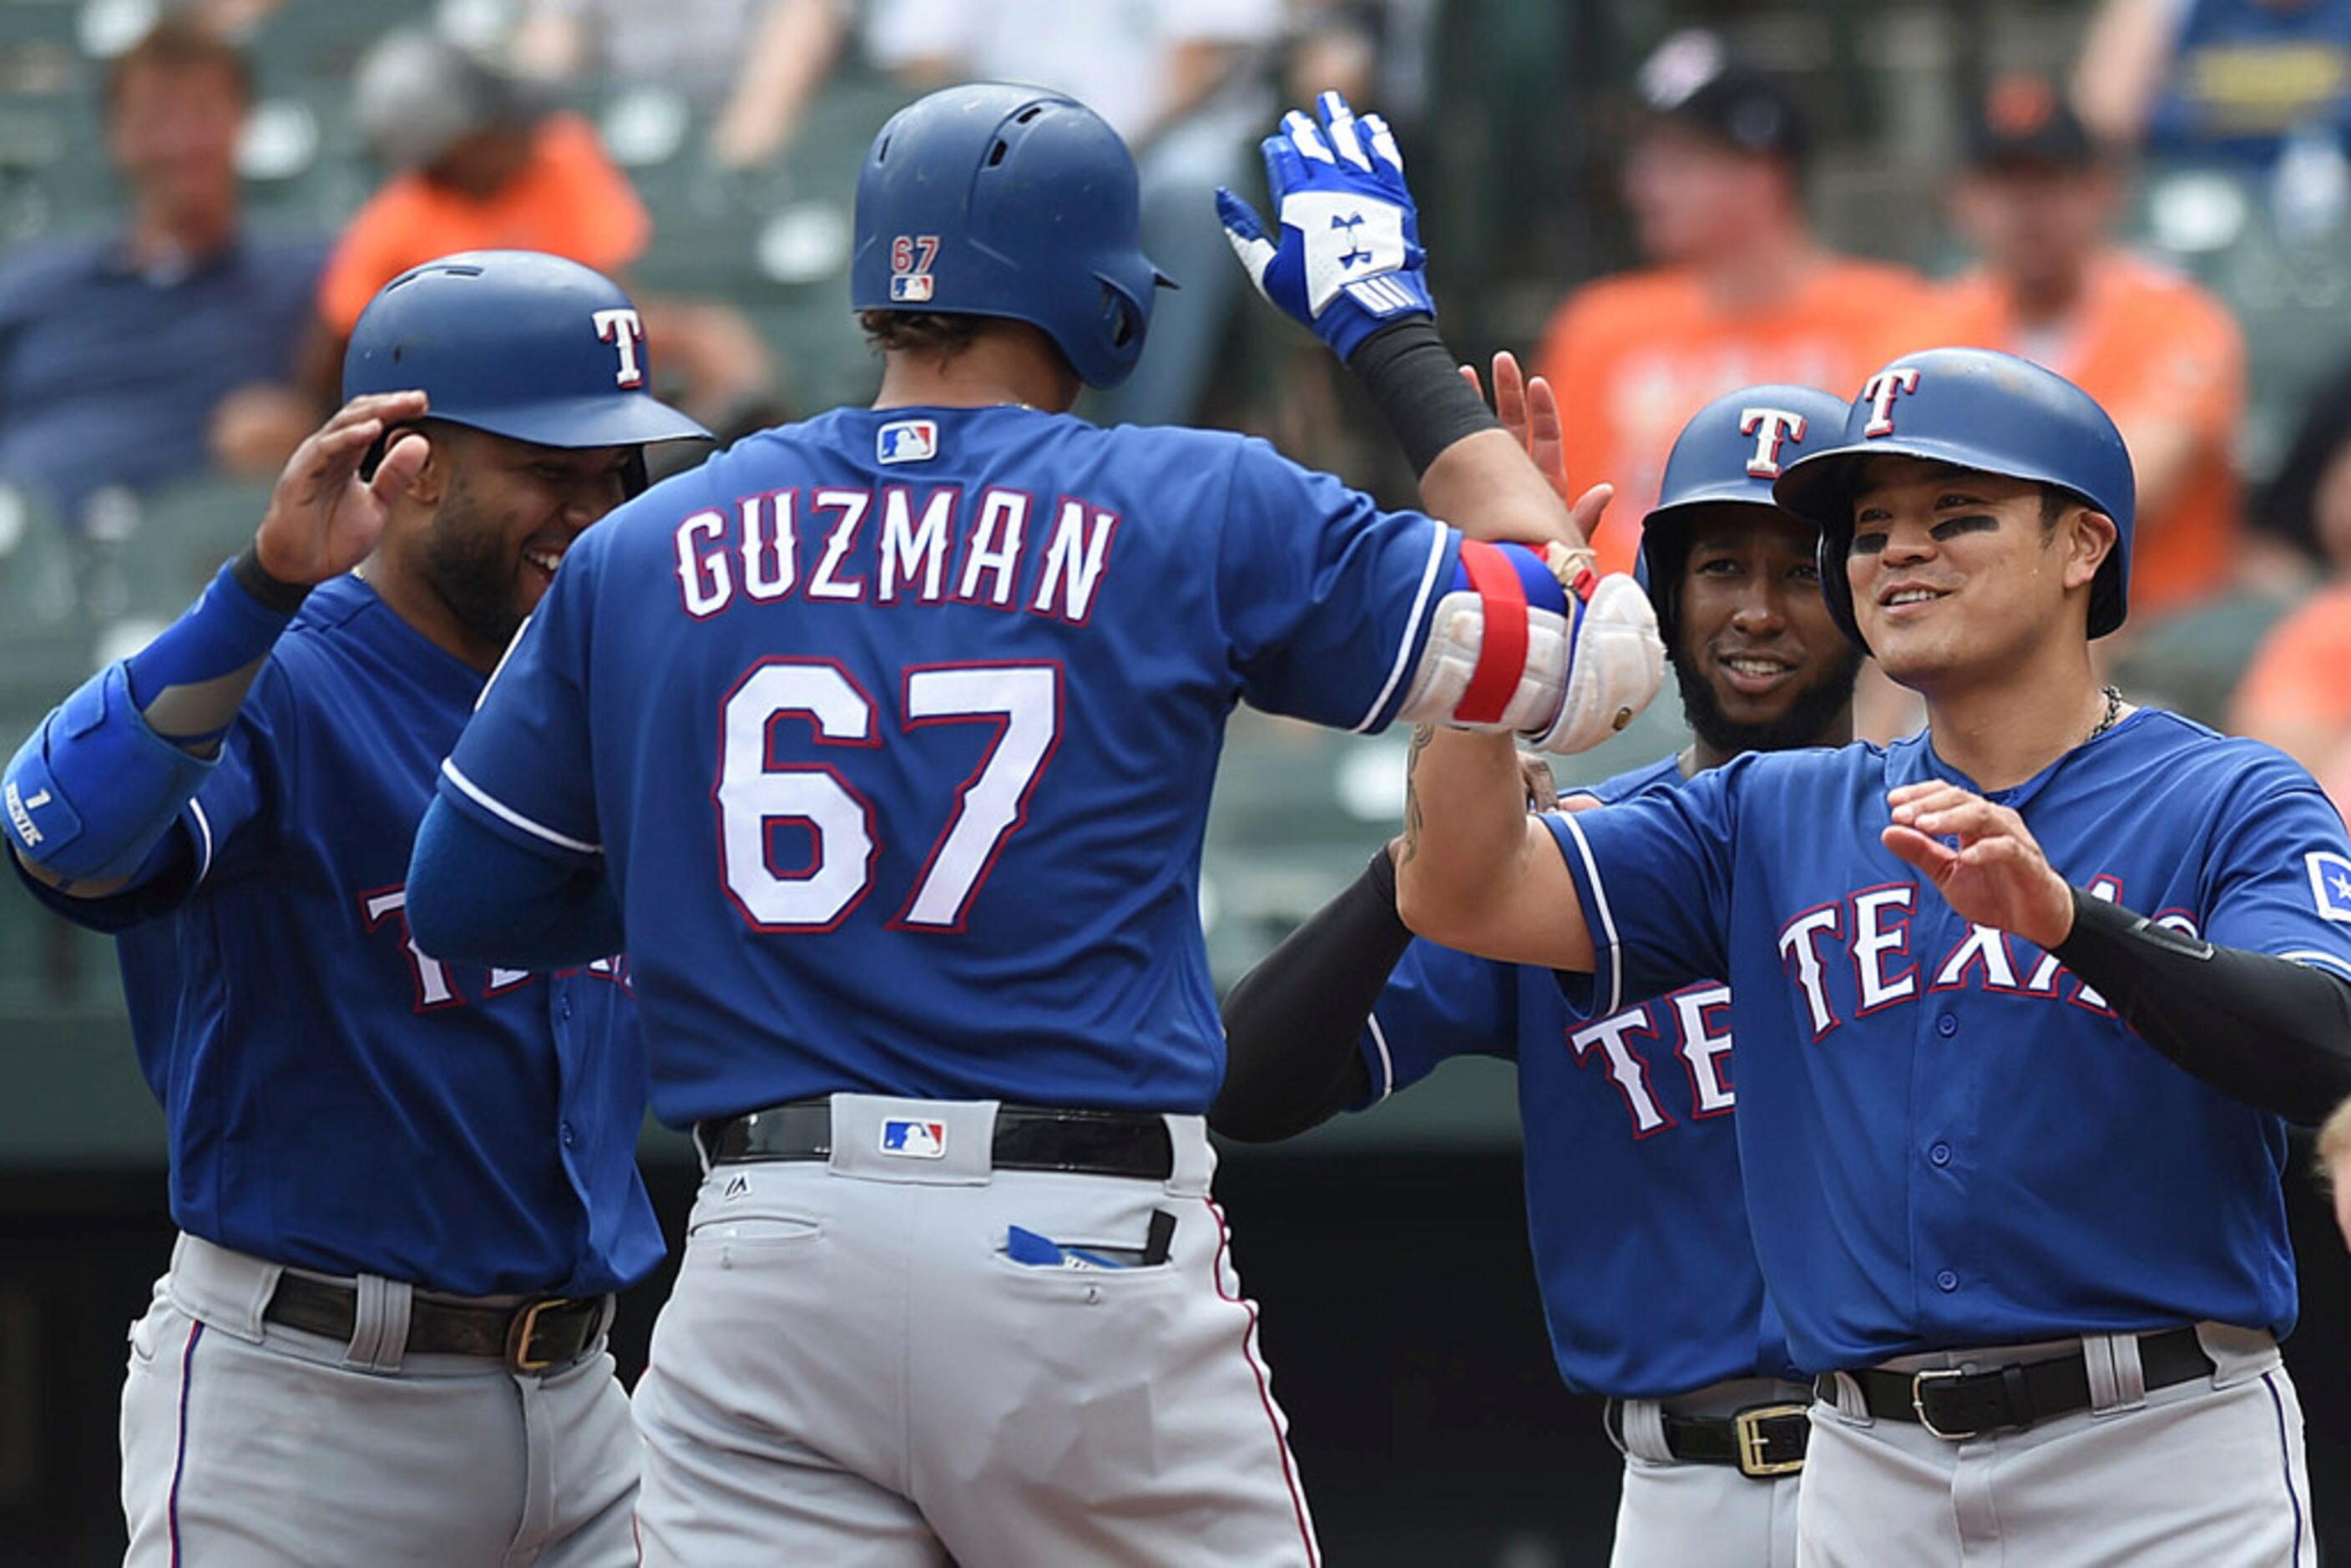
x=915 y=1140
x=2330 y=883
x=906 y=441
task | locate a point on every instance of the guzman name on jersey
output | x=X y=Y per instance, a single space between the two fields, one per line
x=851 y=544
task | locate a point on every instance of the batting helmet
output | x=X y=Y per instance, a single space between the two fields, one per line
x=1729 y=453
x=990 y=200
x=516 y=343
x=1972 y=408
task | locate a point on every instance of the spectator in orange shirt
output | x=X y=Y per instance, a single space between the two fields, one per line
x=2295 y=694
x=1739 y=291
x=2038 y=200
x=480 y=166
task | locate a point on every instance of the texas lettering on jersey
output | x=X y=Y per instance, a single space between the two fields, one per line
x=1866 y=936
x=431 y=981
x=1692 y=1024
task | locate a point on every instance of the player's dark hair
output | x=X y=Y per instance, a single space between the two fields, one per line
x=2053 y=502
x=919 y=332
x=939 y=334
x=179 y=43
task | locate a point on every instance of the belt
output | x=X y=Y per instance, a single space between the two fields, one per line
x=1763 y=1440
x=1954 y=1405
x=550 y=1331
x=1027 y=1138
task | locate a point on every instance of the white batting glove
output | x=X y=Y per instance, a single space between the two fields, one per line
x=1346 y=257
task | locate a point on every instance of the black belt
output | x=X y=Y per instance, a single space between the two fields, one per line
x=1955 y=1404
x=1763 y=1440
x=1090 y=1142
x=552 y=1331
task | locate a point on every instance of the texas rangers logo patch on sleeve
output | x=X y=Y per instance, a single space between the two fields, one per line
x=906 y=441
x=2330 y=883
x=912 y=1138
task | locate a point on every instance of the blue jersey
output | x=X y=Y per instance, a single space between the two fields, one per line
x=337 y=1099
x=1947 y=1140
x=1653 y=1291
x=894 y=732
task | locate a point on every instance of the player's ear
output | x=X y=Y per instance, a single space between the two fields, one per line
x=2087 y=536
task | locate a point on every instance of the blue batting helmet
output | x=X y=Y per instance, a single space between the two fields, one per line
x=1972 y=408
x=990 y=200
x=1729 y=453
x=516 y=343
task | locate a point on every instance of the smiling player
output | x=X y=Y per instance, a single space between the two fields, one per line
x=1655 y=1301
x=406 y=1188
x=2021 y=1003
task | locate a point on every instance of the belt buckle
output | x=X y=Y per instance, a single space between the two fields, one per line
x=1754 y=1443
x=524 y=1328
x=1919 y=1382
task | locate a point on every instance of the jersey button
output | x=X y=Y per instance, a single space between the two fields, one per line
x=1945 y=1280
x=1947 y=1026
x=565 y=1132
x=1941 y=1154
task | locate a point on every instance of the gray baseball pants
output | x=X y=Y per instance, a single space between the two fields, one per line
x=2204 y=1474
x=247 y=1444
x=854 y=1369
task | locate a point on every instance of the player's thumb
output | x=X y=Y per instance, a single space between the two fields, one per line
x=401 y=462
x=1245 y=231
x=1585 y=513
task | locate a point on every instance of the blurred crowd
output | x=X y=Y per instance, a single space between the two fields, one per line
x=2123 y=223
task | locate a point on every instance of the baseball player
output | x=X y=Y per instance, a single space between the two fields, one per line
x=1660 y=1309
x=406 y=1187
x=891 y=733
x=2022 y=1005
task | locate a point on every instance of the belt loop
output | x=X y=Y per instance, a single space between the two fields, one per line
x=229 y=1291
x=2117 y=1379
x=1843 y=1391
x=1194 y=1165
x=379 y=1324
x=1644 y=1431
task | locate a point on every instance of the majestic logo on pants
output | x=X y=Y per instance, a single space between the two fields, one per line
x=914 y=1140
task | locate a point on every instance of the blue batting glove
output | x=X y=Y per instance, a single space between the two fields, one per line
x=1347 y=260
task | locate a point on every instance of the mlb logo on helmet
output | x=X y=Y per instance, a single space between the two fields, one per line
x=915 y=1140
x=2330 y=883
x=906 y=441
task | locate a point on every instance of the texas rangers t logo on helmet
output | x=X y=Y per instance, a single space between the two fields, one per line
x=1770 y=427
x=624 y=330
x=1881 y=390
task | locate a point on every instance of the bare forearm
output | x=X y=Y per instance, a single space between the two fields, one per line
x=1476 y=871
x=1486 y=485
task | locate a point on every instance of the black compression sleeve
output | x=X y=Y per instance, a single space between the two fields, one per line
x=1292 y=1022
x=2273 y=1033
x=285 y=598
x=1412 y=375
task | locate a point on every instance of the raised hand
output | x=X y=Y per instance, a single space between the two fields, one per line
x=323 y=518
x=1347 y=259
x=1995 y=875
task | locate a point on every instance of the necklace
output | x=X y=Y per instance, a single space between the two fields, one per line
x=2114 y=712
